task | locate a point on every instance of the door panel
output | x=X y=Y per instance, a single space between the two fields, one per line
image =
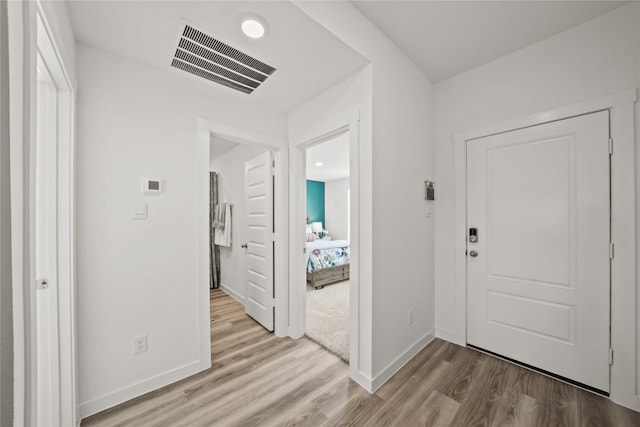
x=538 y=289
x=47 y=348
x=259 y=302
x=515 y=199
x=531 y=315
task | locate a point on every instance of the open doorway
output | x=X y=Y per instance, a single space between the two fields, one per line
x=242 y=226
x=239 y=139
x=327 y=252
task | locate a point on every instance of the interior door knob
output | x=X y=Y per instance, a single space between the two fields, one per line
x=244 y=245
x=473 y=253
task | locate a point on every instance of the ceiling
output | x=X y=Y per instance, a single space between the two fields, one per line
x=445 y=38
x=308 y=58
x=334 y=155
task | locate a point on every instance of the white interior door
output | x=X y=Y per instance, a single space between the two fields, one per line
x=259 y=302
x=46 y=316
x=538 y=274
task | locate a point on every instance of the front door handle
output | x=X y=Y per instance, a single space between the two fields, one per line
x=473 y=254
x=244 y=245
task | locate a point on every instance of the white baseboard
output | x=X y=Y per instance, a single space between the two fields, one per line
x=393 y=367
x=363 y=380
x=233 y=294
x=124 y=394
x=450 y=336
x=631 y=402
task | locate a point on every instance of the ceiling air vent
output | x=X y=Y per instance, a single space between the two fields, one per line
x=211 y=59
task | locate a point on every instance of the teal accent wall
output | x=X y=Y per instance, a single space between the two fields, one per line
x=315 y=201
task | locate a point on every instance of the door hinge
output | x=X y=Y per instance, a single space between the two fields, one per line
x=610 y=356
x=611 y=248
x=610 y=145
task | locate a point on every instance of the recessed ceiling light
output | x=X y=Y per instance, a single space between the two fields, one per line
x=252 y=27
x=318 y=163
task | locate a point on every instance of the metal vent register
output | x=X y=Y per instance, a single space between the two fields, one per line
x=211 y=59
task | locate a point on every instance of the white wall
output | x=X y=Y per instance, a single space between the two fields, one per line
x=595 y=59
x=140 y=277
x=6 y=299
x=336 y=215
x=402 y=158
x=230 y=169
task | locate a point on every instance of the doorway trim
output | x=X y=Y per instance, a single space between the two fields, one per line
x=66 y=392
x=281 y=283
x=298 y=238
x=624 y=303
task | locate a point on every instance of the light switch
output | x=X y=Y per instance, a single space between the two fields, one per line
x=140 y=211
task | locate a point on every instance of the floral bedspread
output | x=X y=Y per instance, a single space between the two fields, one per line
x=327 y=257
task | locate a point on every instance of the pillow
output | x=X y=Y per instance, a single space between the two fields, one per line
x=311 y=237
x=309 y=229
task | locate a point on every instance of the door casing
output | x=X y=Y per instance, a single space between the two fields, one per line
x=280 y=152
x=297 y=243
x=29 y=34
x=534 y=263
x=624 y=295
x=66 y=391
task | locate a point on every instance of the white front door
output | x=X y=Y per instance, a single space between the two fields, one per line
x=538 y=272
x=46 y=250
x=259 y=302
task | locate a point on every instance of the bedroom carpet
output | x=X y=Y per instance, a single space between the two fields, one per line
x=328 y=317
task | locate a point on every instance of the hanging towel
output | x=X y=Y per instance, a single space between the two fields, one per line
x=223 y=230
x=223 y=214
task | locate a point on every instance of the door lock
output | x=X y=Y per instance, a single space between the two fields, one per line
x=42 y=284
x=473 y=235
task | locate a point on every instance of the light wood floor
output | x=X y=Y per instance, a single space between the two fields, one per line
x=259 y=379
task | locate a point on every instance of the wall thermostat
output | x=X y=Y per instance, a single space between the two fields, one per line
x=152 y=186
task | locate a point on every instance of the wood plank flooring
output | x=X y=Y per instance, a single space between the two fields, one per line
x=258 y=379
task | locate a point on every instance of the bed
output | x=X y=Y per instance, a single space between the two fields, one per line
x=327 y=262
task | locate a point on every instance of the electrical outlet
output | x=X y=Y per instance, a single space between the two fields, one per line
x=140 y=344
x=410 y=317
